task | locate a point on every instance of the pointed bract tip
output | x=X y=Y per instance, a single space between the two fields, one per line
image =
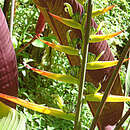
x=55 y=16
x=109 y=8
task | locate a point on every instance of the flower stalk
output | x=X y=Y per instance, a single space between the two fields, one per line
x=83 y=66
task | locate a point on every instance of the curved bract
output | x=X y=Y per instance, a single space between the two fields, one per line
x=101 y=11
x=66 y=49
x=69 y=22
x=111 y=98
x=102 y=64
x=99 y=38
x=46 y=110
x=59 y=77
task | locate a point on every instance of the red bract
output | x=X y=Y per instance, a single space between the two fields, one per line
x=8 y=69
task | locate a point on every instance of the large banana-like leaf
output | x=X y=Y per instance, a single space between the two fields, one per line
x=40 y=24
x=8 y=69
x=10 y=119
x=66 y=49
x=59 y=77
x=46 y=110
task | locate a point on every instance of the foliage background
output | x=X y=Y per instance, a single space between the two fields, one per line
x=38 y=89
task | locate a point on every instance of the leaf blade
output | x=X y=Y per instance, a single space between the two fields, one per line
x=8 y=118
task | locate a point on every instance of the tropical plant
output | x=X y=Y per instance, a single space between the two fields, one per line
x=91 y=93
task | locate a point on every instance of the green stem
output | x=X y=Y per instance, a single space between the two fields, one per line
x=83 y=66
x=109 y=86
x=122 y=120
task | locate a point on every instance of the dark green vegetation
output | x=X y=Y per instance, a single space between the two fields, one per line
x=41 y=90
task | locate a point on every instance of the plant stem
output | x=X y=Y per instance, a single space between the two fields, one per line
x=122 y=120
x=12 y=17
x=109 y=86
x=128 y=125
x=26 y=45
x=83 y=66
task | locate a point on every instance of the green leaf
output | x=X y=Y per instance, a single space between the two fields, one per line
x=99 y=56
x=58 y=100
x=10 y=119
x=99 y=27
x=91 y=57
x=91 y=89
x=38 y=43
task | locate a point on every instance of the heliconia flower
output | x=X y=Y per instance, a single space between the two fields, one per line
x=59 y=77
x=39 y=108
x=102 y=11
x=99 y=38
x=58 y=100
x=66 y=49
x=99 y=56
x=69 y=22
x=69 y=9
x=111 y=98
x=102 y=64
